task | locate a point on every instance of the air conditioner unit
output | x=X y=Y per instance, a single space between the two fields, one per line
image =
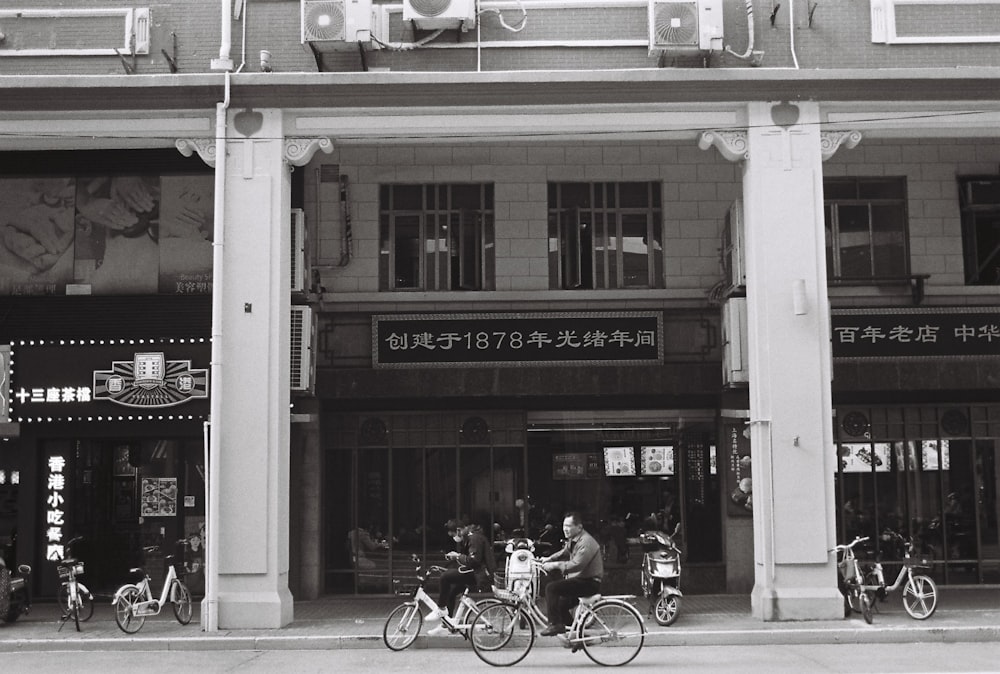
x=735 y=351
x=435 y=14
x=732 y=253
x=301 y=348
x=338 y=23
x=300 y=273
x=685 y=25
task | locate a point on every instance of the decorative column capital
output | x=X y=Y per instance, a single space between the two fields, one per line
x=731 y=144
x=830 y=141
x=205 y=147
x=299 y=151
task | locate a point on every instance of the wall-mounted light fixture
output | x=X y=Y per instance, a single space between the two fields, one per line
x=800 y=305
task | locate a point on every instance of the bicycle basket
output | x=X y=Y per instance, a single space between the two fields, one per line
x=64 y=572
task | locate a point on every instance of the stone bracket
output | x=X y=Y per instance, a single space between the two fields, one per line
x=732 y=144
x=205 y=147
x=299 y=151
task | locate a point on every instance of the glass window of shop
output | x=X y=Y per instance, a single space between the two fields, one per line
x=132 y=502
x=929 y=474
x=404 y=475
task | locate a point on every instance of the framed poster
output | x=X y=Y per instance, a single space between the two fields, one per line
x=159 y=496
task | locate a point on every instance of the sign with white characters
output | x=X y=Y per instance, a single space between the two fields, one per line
x=511 y=340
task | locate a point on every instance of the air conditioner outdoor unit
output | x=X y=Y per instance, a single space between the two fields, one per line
x=732 y=253
x=735 y=351
x=338 y=23
x=685 y=25
x=300 y=274
x=435 y=14
x=301 y=348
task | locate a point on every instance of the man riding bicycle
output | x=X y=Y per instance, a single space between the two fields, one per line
x=582 y=573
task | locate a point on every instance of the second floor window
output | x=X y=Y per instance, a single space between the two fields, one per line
x=980 y=200
x=605 y=235
x=866 y=228
x=436 y=237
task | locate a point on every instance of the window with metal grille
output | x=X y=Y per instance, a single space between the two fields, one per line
x=605 y=235
x=979 y=197
x=436 y=237
x=866 y=228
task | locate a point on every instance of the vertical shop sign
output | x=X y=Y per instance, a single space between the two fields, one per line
x=738 y=469
x=695 y=473
x=55 y=507
x=4 y=383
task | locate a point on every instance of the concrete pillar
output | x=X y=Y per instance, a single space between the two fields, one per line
x=788 y=321
x=252 y=376
x=788 y=328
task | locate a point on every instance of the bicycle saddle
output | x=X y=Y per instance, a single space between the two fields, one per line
x=592 y=599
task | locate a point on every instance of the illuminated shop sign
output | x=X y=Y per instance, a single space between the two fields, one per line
x=55 y=507
x=121 y=380
x=916 y=333
x=508 y=340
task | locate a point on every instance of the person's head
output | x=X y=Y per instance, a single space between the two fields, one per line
x=572 y=524
x=456 y=529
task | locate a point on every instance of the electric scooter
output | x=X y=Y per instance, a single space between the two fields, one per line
x=661 y=575
x=15 y=587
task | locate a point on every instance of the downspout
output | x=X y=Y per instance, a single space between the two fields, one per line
x=211 y=622
x=210 y=614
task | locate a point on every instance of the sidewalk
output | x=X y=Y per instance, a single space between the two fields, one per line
x=963 y=614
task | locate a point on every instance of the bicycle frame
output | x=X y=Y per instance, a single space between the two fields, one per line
x=151 y=605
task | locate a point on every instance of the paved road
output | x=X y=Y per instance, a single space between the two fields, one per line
x=820 y=659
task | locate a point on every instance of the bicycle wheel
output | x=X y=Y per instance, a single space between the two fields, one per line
x=84 y=599
x=502 y=634
x=920 y=597
x=181 y=598
x=125 y=616
x=74 y=608
x=865 y=600
x=666 y=610
x=612 y=633
x=402 y=626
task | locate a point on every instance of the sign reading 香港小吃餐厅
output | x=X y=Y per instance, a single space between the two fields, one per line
x=916 y=333
x=508 y=340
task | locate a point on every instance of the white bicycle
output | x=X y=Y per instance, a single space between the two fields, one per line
x=404 y=622
x=75 y=599
x=134 y=602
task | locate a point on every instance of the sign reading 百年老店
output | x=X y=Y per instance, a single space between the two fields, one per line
x=971 y=332
x=508 y=340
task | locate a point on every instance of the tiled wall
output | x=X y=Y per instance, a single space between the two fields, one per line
x=698 y=187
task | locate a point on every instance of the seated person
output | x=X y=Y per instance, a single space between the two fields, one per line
x=582 y=573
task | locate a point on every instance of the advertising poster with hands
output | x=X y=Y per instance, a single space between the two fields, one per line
x=137 y=234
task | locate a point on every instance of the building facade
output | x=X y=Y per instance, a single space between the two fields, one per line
x=704 y=264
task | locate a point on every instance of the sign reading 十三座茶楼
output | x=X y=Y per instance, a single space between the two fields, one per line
x=508 y=340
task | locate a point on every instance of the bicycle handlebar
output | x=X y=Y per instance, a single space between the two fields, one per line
x=849 y=546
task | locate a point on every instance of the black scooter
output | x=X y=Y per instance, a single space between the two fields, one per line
x=15 y=586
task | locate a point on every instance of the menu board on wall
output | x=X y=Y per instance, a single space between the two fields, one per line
x=619 y=461
x=159 y=496
x=576 y=466
x=656 y=460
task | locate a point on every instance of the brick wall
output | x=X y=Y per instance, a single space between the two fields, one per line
x=698 y=187
x=839 y=36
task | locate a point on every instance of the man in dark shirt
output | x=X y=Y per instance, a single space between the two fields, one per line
x=582 y=573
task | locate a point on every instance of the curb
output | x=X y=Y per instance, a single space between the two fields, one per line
x=757 y=637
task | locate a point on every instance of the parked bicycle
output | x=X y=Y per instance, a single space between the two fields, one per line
x=607 y=628
x=851 y=581
x=919 y=590
x=403 y=624
x=134 y=602
x=75 y=599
